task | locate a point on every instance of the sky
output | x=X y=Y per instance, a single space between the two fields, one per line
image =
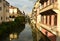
x=23 y=5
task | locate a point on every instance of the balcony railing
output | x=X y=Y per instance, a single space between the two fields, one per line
x=50 y=4
x=52 y=29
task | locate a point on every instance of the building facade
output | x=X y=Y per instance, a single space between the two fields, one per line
x=6 y=11
x=14 y=12
x=49 y=23
x=4 y=8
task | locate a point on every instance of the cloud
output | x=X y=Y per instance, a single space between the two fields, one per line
x=31 y=0
x=23 y=5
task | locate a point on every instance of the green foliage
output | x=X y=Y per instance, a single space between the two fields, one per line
x=11 y=25
x=20 y=20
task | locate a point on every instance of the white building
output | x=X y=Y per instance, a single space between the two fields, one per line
x=4 y=6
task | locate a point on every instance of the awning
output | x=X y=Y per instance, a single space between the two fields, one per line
x=48 y=12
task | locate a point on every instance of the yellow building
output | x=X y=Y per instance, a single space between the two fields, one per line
x=14 y=12
x=49 y=10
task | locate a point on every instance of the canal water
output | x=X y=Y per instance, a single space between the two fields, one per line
x=26 y=33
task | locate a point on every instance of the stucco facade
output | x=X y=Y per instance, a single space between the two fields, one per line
x=50 y=18
x=4 y=10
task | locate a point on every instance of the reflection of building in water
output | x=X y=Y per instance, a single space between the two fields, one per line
x=35 y=34
x=38 y=36
x=16 y=32
x=13 y=36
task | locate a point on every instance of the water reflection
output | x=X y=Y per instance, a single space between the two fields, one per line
x=23 y=33
x=12 y=34
x=38 y=35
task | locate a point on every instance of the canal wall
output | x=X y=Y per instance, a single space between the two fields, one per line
x=47 y=33
x=38 y=34
x=50 y=35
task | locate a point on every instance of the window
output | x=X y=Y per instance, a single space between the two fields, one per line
x=55 y=20
x=0 y=8
x=9 y=16
x=4 y=5
x=1 y=18
x=3 y=0
x=52 y=1
x=50 y=20
x=48 y=2
x=42 y=19
x=55 y=0
x=6 y=18
x=46 y=19
x=0 y=0
x=45 y=3
x=7 y=10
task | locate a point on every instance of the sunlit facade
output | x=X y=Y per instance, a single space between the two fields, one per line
x=49 y=24
x=12 y=10
x=7 y=12
x=4 y=10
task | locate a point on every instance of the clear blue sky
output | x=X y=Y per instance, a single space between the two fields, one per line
x=23 y=5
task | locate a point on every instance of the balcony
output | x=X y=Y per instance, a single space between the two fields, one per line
x=51 y=29
x=46 y=8
x=49 y=6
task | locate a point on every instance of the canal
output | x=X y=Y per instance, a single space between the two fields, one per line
x=26 y=33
